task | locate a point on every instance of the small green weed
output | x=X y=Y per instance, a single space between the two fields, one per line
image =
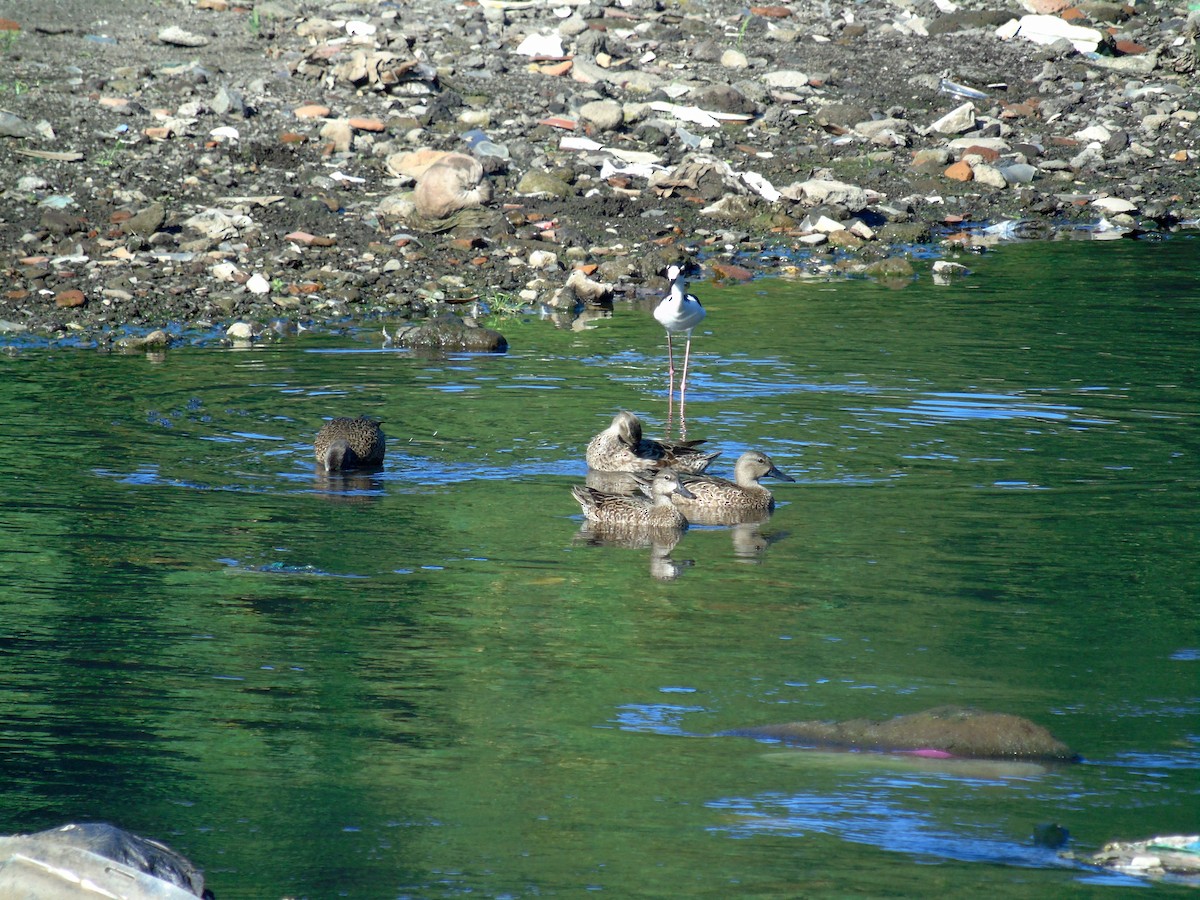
x=109 y=155
x=502 y=303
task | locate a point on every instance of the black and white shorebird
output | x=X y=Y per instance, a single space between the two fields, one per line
x=678 y=312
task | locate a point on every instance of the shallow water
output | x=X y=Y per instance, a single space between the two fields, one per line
x=424 y=684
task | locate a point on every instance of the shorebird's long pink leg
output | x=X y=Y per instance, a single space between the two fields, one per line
x=687 y=352
x=670 y=386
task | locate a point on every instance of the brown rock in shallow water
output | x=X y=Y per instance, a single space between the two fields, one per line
x=453 y=183
x=946 y=729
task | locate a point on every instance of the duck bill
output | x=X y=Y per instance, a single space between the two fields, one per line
x=775 y=473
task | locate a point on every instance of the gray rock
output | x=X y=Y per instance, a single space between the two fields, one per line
x=787 y=79
x=536 y=183
x=727 y=99
x=15 y=126
x=1018 y=173
x=989 y=175
x=818 y=191
x=959 y=120
x=147 y=221
x=734 y=59
x=102 y=856
x=606 y=115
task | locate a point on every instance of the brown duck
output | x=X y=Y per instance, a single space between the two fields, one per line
x=621 y=448
x=345 y=443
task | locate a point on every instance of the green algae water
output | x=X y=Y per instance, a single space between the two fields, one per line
x=426 y=683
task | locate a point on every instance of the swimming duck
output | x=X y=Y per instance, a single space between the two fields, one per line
x=653 y=511
x=718 y=501
x=621 y=448
x=345 y=443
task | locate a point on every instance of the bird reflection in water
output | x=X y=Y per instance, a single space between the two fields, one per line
x=659 y=541
x=348 y=486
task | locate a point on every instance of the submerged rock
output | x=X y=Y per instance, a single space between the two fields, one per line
x=948 y=730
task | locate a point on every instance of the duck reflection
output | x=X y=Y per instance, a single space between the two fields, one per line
x=341 y=486
x=660 y=542
x=749 y=542
x=636 y=521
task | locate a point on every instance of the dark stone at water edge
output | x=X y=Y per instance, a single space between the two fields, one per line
x=448 y=332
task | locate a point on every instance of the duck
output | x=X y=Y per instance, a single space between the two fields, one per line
x=636 y=512
x=621 y=448
x=345 y=443
x=718 y=501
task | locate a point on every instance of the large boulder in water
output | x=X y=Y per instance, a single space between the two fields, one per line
x=947 y=730
x=73 y=861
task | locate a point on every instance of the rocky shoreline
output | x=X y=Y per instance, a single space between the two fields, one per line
x=198 y=166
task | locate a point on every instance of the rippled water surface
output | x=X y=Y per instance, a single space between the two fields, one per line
x=424 y=683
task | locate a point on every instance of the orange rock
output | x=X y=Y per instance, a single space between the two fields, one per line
x=16 y=294
x=311 y=111
x=157 y=132
x=1046 y=7
x=729 y=270
x=363 y=124
x=214 y=5
x=986 y=153
x=771 y=12
x=1180 y=156
x=560 y=68
x=1129 y=48
x=1072 y=15
x=587 y=268
x=959 y=171
x=291 y=137
x=114 y=102
x=478 y=261
x=9 y=25
x=559 y=122
x=69 y=298
x=33 y=260
x=1011 y=109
